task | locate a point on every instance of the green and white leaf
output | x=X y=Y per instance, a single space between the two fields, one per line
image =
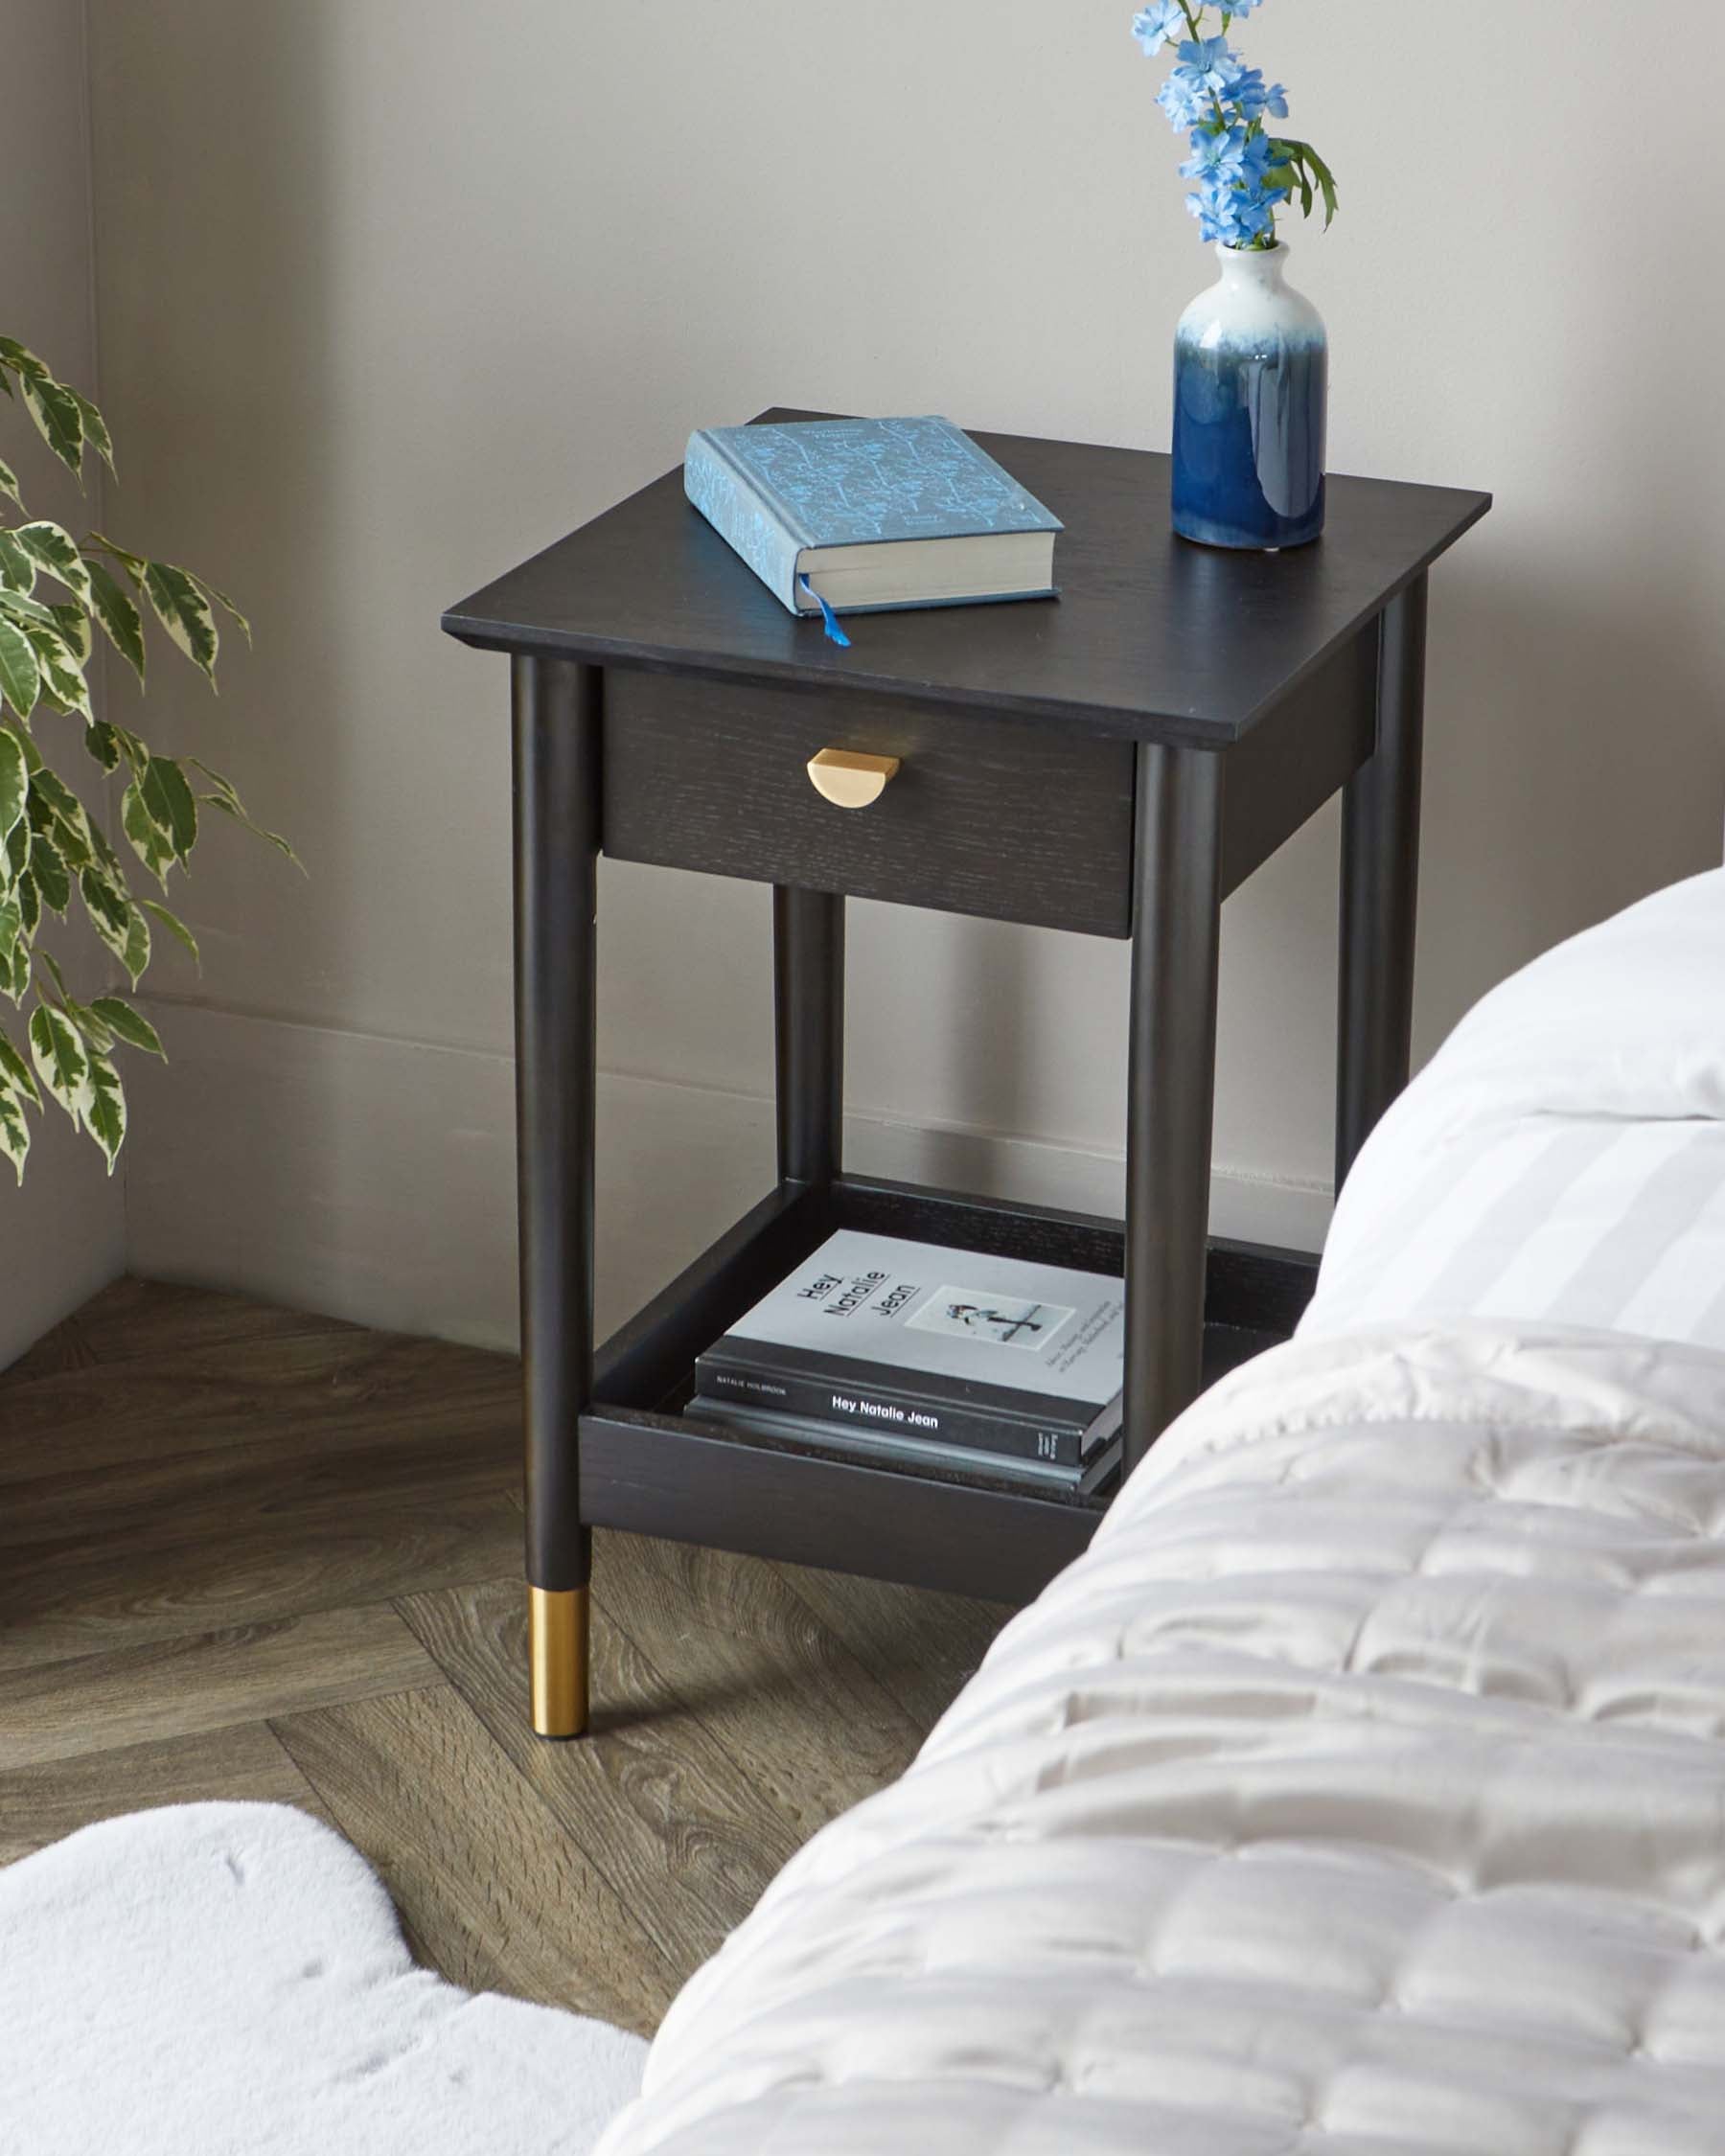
x=95 y=431
x=184 y=613
x=227 y=605
x=54 y=549
x=14 y=783
x=110 y=913
x=17 y=1073
x=49 y=873
x=146 y=839
x=172 y=803
x=229 y=801
x=74 y=628
x=17 y=571
x=62 y=680
x=14 y=952
x=22 y=607
x=22 y=360
x=105 y=1113
x=175 y=927
x=116 y=610
x=134 y=564
x=8 y=478
x=21 y=677
x=54 y=407
x=128 y=1025
x=15 y=1130
x=103 y=742
x=60 y=1061
x=135 y=956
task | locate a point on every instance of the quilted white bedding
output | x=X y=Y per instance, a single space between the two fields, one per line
x=1363 y=1789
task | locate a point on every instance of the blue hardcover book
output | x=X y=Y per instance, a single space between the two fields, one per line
x=871 y=514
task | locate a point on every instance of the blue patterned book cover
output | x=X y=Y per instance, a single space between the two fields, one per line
x=778 y=492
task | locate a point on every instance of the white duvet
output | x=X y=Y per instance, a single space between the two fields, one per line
x=1363 y=1789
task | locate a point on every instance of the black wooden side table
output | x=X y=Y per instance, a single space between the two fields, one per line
x=1117 y=760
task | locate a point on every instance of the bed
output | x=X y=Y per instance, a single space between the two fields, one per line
x=1361 y=1789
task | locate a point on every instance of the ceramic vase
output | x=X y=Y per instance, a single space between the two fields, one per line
x=1250 y=391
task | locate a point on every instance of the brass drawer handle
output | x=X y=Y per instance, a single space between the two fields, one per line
x=850 y=779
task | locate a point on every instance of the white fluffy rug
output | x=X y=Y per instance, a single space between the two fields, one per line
x=229 y=1980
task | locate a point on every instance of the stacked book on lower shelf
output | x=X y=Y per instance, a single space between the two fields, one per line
x=890 y=1350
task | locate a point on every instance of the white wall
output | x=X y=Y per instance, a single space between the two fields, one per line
x=63 y=1235
x=392 y=292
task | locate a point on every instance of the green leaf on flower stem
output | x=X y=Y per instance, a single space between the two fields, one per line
x=128 y=1025
x=60 y=1061
x=172 y=803
x=8 y=478
x=184 y=613
x=17 y=571
x=21 y=677
x=119 y=616
x=175 y=927
x=148 y=842
x=14 y=783
x=54 y=407
x=95 y=431
x=53 y=548
x=104 y=1114
x=17 y=1073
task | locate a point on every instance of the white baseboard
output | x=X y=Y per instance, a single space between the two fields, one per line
x=374 y=1179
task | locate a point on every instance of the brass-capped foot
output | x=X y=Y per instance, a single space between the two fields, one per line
x=557 y=1648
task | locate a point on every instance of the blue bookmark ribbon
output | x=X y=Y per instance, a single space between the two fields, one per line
x=835 y=634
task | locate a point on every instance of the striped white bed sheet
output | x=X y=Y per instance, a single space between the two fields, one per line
x=1562 y=1158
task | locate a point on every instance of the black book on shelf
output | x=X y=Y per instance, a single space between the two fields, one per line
x=921 y=1342
x=881 y=1447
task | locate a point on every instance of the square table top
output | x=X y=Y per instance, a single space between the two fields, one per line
x=1152 y=638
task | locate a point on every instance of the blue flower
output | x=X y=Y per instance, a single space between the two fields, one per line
x=1212 y=62
x=1218 y=153
x=1221 y=104
x=1159 y=24
x=1255 y=99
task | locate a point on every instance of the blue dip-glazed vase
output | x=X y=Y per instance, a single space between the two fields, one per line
x=1251 y=392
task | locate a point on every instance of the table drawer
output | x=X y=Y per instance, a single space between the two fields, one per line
x=985 y=815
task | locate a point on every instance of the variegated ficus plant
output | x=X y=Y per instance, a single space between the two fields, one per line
x=56 y=852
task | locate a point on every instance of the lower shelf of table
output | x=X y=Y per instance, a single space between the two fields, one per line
x=649 y=1466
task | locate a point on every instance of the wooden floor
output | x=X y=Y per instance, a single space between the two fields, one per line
x=248 y=1553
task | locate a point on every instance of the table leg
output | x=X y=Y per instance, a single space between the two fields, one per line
x=1177 y=908
x=808 y=998
x=556 y=708
x=1380 y=880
